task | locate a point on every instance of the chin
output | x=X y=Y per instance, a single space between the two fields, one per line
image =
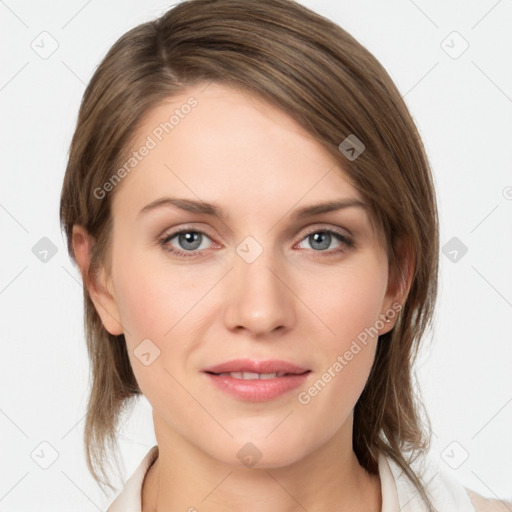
x=261 y=452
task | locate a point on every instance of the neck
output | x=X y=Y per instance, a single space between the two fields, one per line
x=184 y=477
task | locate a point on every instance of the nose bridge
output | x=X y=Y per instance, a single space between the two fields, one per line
x=258 y=298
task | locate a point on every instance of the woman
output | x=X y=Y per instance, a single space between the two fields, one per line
x=253 y=214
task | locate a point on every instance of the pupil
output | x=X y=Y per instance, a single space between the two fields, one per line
x=322 y=238
x=190 y=240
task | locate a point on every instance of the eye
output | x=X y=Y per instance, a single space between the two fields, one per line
x=321 y=239
x=188 y=242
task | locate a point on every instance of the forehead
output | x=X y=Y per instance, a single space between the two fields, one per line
x=224 y=145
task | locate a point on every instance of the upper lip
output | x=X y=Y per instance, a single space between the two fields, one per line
x=251 y=365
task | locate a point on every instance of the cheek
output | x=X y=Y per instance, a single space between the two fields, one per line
x=149 y=314
x=153 y=296
x=157 y=303
x=347 y=300
x=142 y=307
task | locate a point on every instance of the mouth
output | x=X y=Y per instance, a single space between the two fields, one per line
x=253 y=375
x=257 y=381
x=251 y=366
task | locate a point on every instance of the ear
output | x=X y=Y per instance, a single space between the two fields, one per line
x=98 y=287
x=398 y=285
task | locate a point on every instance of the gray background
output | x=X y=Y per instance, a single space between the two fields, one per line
x=462 y=104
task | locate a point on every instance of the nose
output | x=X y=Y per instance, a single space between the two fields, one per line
x=259 y=297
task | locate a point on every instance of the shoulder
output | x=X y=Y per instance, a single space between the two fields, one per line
x=446 y=492
x=482 y=504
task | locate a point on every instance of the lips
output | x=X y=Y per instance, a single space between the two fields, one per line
x=250 y=366
x=256 y=381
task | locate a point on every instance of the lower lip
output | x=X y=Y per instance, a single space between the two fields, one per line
x=257 y=390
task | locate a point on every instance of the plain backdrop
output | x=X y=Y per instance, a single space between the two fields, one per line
x=451 y=62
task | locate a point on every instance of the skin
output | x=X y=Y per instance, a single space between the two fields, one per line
x=294 y=302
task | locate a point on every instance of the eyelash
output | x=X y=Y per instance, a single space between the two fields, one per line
x=347 y=241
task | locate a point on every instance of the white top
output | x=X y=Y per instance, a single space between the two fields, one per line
x=398 y=493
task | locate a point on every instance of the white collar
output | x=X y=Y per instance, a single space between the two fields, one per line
x=398 y=493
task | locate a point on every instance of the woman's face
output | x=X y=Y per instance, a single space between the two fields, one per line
x=258 y=282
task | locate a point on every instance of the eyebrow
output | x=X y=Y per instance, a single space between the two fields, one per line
x=211 y=209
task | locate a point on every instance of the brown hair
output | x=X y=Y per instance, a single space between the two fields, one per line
x=330 y=84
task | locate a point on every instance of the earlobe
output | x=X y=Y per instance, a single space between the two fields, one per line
x=104 y=301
